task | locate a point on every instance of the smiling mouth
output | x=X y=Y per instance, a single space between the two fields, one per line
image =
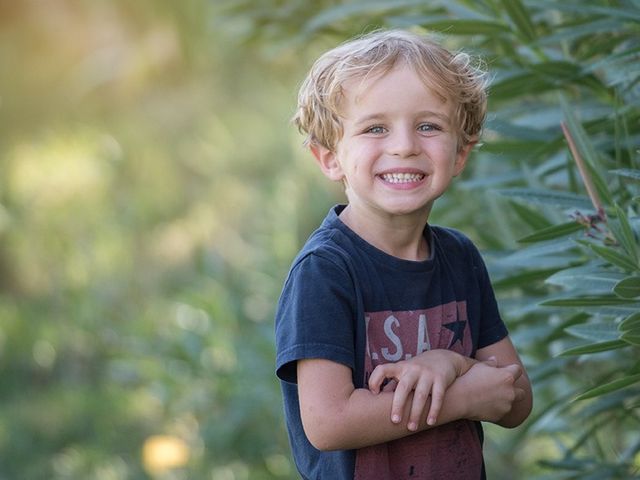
x=402 y=177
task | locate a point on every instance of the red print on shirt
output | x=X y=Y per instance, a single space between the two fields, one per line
x=395 y=336
x=448 y=451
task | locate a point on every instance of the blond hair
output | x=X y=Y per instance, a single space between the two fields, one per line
x=452 y=76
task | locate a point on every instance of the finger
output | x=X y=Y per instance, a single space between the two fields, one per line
x=437 y=398
x=420 y=398
x=400 y=398
x=378 y=376
x=515 y=370
x=390 y=386
x=519 y=394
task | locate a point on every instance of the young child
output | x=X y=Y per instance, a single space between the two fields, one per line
x=390 y=347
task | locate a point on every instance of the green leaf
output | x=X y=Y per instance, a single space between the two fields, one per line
x=610 y=387
x=632 y=337
x=582 y=8
x=586 y=278
x=615 y=257
x=343 y=11
x=576 y=31
x=530 y=216
x=628 y=287
x=552 y=232
x=521 y=18
x=463 y=27
x=595 y=348
x=523 y=278
x=630 y=323
x=587 y=301
x=513 y=85
x=554 y=253
x=624 y=234
x=558 y=71
x=595 y=331
x=540 y=196
x=627 y=173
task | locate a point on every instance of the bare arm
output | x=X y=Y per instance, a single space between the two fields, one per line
x=506 y=354
x=337 y=416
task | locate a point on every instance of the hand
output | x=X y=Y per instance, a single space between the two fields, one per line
x=491 y=390
x=427 y=374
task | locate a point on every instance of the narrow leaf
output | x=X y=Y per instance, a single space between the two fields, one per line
x=513 y=86
x=530 y=216
x=521 y=18
x=341 y=12
x=587 y=301
x=595 y=348
x=628 y=287
x=558 y=71
x=523 y=278
x=627 y=173
x=596 y=332
x=615 y=257
x=624 y=234
x=609 y=387
x=632 y=337
x=552 y=232
x=565 y=200
x=464 y=27
x=632 y=322
x=586 y=278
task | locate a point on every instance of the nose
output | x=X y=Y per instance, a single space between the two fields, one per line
x=403 y=142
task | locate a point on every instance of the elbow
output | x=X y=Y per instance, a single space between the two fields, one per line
x=517 y=416
x=321 y=443
x=322 y=434
x=321 y=440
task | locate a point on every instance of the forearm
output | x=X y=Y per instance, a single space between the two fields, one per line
x=364 y=419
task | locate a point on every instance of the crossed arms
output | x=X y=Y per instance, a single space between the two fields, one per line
x=431 y=389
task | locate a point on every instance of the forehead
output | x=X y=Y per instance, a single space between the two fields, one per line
x=399 y=86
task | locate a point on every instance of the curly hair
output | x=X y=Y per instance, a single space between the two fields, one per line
x=453 y=76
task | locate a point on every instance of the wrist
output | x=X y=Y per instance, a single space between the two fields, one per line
x=462 y=363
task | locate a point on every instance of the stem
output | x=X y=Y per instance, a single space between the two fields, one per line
x=584 y=173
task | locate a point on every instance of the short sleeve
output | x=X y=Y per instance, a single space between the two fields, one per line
x=492 y=327
x=315 y=315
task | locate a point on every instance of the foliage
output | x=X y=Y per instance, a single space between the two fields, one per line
x=560 y=167
x=149 y=207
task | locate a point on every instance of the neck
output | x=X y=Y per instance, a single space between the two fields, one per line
x=399 y=236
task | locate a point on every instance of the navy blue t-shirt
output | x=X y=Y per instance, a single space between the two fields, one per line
x=346 y=301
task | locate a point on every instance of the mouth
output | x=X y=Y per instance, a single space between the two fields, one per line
x=402 y=177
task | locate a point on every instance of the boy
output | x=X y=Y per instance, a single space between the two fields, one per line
x=390 y=347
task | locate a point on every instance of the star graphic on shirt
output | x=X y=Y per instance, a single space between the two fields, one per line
x=458 y=331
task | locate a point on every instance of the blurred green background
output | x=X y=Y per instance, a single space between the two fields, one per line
x=153 y=194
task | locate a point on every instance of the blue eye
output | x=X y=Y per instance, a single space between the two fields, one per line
x=376 y=129
x=428 y=127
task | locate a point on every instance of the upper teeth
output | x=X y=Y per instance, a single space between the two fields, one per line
x=402 y=177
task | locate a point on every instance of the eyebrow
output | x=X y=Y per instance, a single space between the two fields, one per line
x=421 y=114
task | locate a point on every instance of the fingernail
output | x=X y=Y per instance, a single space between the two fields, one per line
x=412 y=426
x=431 y=421
x=395 y=419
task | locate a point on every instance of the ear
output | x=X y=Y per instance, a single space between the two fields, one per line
x=328 y=162
x=461 y=158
